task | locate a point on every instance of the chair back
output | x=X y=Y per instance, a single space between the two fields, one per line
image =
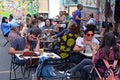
x=101 y=64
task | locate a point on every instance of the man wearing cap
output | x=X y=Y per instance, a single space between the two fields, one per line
x=77 y=14
x=14 y=32
x=28 y=43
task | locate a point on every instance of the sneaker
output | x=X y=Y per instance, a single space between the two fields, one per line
x=68 y=75
x=62 y=72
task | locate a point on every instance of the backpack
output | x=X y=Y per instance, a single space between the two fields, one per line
x=111 y=72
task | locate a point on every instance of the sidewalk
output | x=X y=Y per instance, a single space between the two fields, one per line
x=4 y=59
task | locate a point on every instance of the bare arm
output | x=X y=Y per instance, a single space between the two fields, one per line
x=37 y=45
x=78 y=18
x=77 y=48
x=13 y=51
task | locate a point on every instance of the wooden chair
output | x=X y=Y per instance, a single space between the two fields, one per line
x=95 y=71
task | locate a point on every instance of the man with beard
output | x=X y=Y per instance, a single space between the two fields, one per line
x=28 y=43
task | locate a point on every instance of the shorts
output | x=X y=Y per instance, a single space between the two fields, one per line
x=108 y=24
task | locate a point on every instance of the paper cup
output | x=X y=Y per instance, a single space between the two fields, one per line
x=41 y=51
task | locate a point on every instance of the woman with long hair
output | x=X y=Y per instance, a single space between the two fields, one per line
x=108 y=50
x=107 y=19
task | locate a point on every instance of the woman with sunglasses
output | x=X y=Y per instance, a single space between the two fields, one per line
x=108 y=50
x=82 y=48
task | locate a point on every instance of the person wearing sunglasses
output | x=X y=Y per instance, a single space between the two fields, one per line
x=82 y=48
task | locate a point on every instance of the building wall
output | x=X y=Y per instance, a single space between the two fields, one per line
x=54 y=8
x=43 y=7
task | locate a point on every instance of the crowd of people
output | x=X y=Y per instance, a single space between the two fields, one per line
x=86 y=49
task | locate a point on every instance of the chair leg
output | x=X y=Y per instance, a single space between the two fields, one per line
x=29 y=73
x=23 y=72
x=5 y=44
x=14 y=69
x=10 y=71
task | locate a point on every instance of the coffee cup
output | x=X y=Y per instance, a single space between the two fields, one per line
x=41 y=51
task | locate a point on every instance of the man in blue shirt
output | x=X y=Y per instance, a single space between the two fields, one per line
x=77 y=14
x=28 y=43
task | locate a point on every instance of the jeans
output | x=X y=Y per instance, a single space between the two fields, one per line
x=19 y=62
x=84 y=67
x=77 y=57
x=85 y=72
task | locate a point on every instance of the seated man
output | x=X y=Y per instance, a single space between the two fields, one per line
x=28 y=43
x=14 y=33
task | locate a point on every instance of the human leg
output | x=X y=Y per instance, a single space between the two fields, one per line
x=77 y=57
x=79 y=66
x=103 y=29
x=85 y=72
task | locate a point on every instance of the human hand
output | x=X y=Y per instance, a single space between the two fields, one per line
x=25 y=50
x=50 y=30
x=88 y=43
x=38 y=39
x=82 y=48
x=93 y=45
x=54 y=36
x=94 y=49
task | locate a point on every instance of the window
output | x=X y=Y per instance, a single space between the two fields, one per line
x=71 y=2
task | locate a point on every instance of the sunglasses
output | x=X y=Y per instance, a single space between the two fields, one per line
x=90 y=34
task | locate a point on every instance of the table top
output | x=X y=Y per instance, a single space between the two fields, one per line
x=46 y=54
x=87 y=54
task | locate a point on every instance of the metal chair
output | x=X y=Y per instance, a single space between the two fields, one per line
x=6 y=38
x=14 y=66
x=55 y=63
x=7 y=41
